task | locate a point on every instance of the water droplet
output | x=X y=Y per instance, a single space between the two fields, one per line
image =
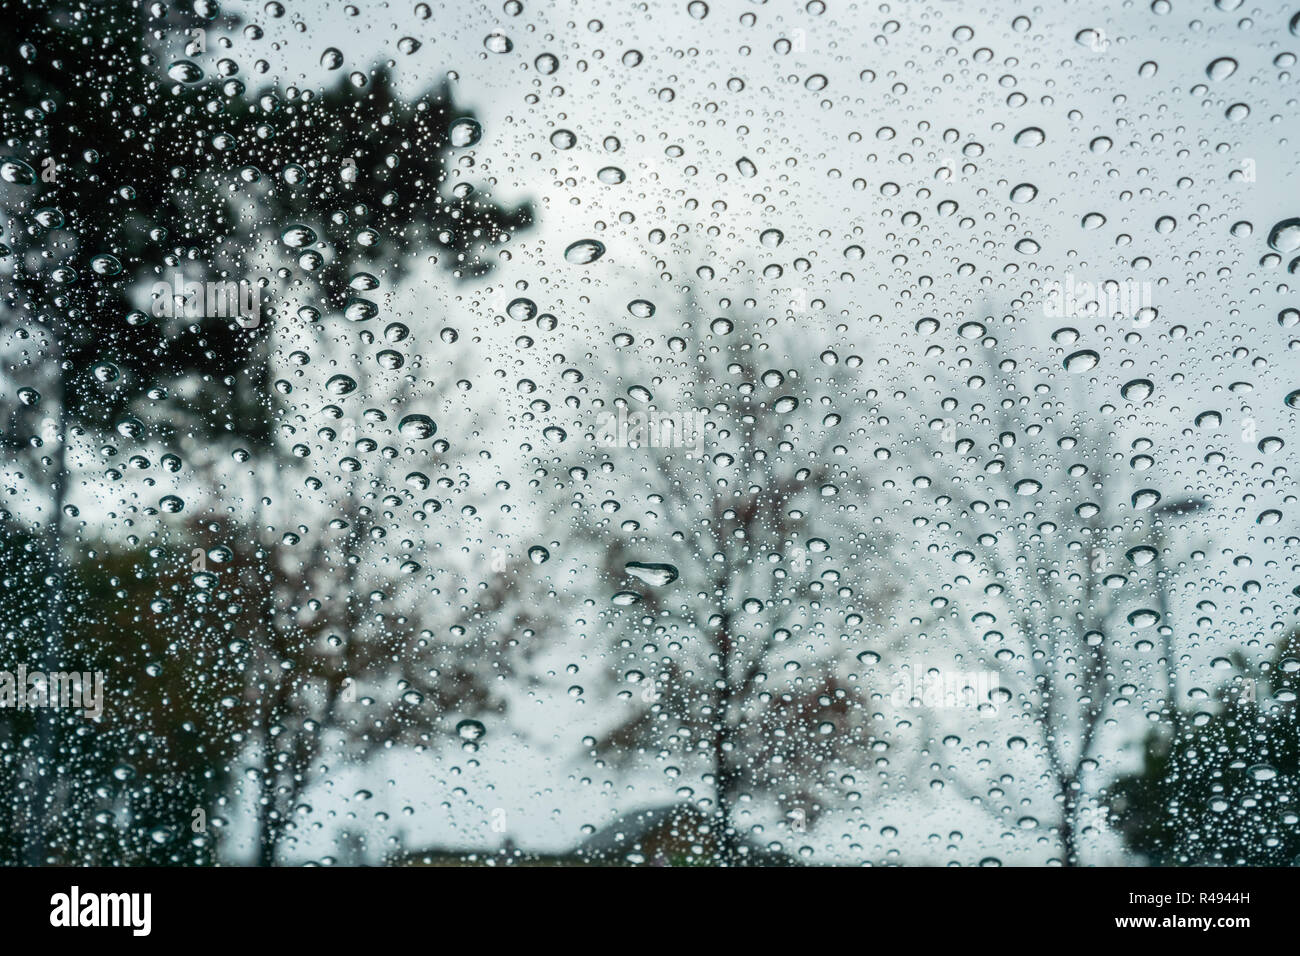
x=1143 y=617
x=1222 y=68
x=417 y=427
x=1285 y=236
x=1139 y=389
x=584 y=252
x=298 y=236
x=360 y=310
x=471 y=730
x=1082 y=361
x=464 y=132
x=340 y=385
x=1023 y=193
x=522 y=309
x=15 y=171
x=185 y=71
x=1145 y=498
x=1141 y=555
x=105 y=265
x=657 y=575
x=1030 y=136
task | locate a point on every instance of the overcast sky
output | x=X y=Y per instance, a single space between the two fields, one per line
x=873 y=112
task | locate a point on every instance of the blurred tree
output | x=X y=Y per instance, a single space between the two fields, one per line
x=348 y=655
x=1218 y=789
x=1042 y=557
x=729 y=529
x=223 y=657
x=142 y=784
x=133 y=156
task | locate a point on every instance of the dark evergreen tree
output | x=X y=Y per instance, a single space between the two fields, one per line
x=131 y=156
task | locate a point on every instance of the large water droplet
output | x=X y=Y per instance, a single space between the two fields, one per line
x=584 y=252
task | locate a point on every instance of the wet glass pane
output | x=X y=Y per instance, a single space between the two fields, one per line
x=787 y=433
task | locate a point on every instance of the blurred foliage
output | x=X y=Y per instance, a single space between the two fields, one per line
x=1221 y=789
x=125 y=165
x=129 y=783
x=151 y=176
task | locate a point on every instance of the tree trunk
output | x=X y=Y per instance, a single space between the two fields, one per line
x=268 y=825
x=47 y=744
x=1069 y=822
x=724 y=773
x=728 y=836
